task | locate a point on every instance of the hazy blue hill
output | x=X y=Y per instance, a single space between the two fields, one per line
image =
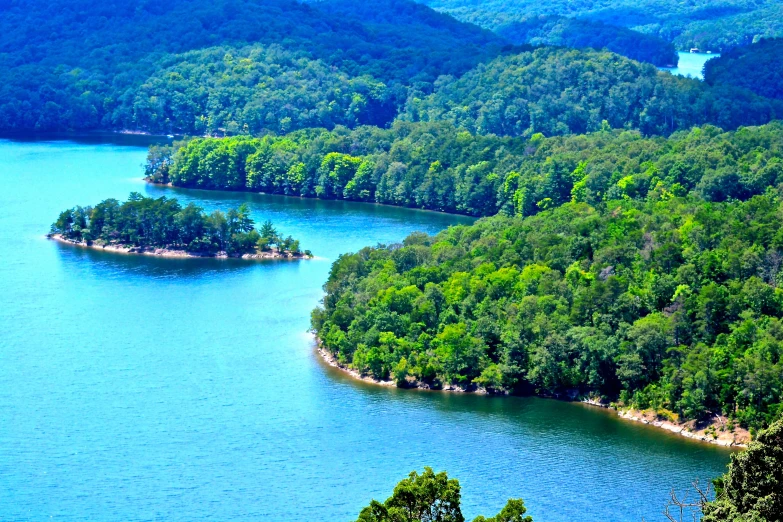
x=558 y=91
x=71 y=64
x=579 y=33
x=707 y=24
x=756 y=67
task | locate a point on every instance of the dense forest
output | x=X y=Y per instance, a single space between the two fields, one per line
x=437 y=166
x=560 y=91
x=669 y=303
x=252 y=66
x=756 y=67
x=580 y=33
x=165 y=223
x=81 y=64
x=252 y=89
x=707 y=24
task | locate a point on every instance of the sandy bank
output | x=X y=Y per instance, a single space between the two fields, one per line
x=173 y=253
x=715 y=431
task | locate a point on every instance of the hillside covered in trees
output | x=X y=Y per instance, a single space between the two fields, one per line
x=254 y=66
x=707 y=24
x=561 y=91
x=440 y=167
x=81 y=64
x=756 y=67
x=669 y=303
x=580 y=33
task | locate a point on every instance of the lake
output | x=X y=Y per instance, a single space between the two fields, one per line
x=138 y=388
x=691 y=64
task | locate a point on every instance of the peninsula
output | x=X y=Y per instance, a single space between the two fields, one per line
x=163 y=227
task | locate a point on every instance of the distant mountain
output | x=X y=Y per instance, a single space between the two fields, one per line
x=756 y=67
x=579 y=34
x=558 y=91
x=711 y=25
x=79 y=64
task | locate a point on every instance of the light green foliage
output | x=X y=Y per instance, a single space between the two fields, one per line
x=440 y=167
x=432 y=497
x=668 y=304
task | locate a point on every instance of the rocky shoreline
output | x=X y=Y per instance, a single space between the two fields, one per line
x=329 y=359
x=174 y=253
x=709 y=432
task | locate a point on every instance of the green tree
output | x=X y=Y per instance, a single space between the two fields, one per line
x=431 y=497
x=752 y=489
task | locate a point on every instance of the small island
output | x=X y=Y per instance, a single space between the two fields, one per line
x=163 y=227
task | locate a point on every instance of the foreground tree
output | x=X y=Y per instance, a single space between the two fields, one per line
x=432 y=497
x=752 y=489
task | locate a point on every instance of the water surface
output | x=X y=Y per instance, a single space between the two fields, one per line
x=691 y=65
x=136 y=388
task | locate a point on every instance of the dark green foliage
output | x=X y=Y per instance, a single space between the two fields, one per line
x=670 y=304
x=164 y=223
x=757 y=67
x=562 y=91
x=741 y=27
x=579 y=33
x=432 y=497
x=440 y=167
x=57 y=77
x=250 y=89
x=752 y=490
x=711 y=25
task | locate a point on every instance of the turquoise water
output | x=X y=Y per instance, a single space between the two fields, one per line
x=691 y=64
x=135 y=388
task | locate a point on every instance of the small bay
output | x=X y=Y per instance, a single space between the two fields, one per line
x=138 y=388
x=691 y=65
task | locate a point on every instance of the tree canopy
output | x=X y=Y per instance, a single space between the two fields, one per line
x=580 y=33
x=564 y=91
x=711 y=25
x=140 y=57
x=672 y=304
x=432 y=497
x=441 y=167
x=752 y=489
x=756 y=67
x=164 y=223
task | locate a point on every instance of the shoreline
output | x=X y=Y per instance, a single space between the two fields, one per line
x=170 y=185
x=172 y=253
x=738 y=438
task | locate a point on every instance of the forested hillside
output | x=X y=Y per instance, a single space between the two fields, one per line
x=707 y=24
x=440 y=167
x=668 y=303
x=578 y=33
x=80 y=64
x=561 y=91
x=756 y=67
x=252 y=89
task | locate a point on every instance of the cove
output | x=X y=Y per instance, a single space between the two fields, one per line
x=137 y=388
x=691 y=64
